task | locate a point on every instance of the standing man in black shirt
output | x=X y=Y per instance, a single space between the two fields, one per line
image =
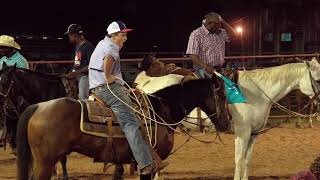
x=83 y=51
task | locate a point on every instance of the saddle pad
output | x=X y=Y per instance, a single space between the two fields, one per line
x=151 y=85
x=95 y=120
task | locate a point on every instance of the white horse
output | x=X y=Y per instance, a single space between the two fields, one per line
x=261 y=88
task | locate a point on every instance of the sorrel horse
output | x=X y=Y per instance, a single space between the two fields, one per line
x=20 y=88
x=41 y=149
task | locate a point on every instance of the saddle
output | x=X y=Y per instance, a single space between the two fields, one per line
x=98 y=119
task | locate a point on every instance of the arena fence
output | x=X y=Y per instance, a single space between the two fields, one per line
x=294 y=101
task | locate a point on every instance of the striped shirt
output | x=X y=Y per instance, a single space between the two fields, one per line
x=17 y=59
x=209 y=47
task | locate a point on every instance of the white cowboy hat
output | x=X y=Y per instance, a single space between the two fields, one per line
x=8 y=41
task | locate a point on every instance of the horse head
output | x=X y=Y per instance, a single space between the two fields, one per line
x=223 y=117
x=212 y=100
x=6 y=81
x=8 y=120
x=146 y=62
x=310 y=85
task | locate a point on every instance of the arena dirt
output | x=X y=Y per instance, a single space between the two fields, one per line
x=277 y=154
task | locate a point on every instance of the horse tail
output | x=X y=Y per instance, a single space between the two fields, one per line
x=23 y=148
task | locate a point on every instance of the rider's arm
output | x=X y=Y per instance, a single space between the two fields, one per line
x=108 y=62
x=231 y=32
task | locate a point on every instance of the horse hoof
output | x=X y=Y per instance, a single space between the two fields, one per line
x=298 y=125
x=118 y=178
x=146 y=177
x=54 y=178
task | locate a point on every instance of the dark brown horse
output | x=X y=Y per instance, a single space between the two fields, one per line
x=20 y=88
x=50 y=130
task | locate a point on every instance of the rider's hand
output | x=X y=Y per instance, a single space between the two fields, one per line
x=111 y=79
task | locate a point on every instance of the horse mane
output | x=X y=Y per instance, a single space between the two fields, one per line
x=285 y=74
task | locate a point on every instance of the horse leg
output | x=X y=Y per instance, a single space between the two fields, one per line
x=146 y=177
x=42 y=170
x=55 y=173
x=118 y=172
x=310 y=118
x=63 y=162
x=248 y=157
x=241 y=146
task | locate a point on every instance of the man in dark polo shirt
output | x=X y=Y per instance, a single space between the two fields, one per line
x=83 y=51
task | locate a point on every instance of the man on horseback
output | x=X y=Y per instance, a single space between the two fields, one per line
x=105 y=80
x=206 y=46
x=83 y=53
x=9 y=51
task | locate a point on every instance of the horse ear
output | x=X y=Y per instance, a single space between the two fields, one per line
x=314 y=59
x=4 y=65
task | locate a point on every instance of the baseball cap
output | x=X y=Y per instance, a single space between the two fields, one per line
x=74 y=28
x=117 y=26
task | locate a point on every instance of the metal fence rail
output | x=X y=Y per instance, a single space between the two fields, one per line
x=288 y=100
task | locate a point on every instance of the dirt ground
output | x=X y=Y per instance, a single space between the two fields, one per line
x=278 y=154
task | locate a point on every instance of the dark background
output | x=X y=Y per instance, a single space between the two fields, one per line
x=164 y=23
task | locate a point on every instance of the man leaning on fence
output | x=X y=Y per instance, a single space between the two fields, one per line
x=206 y=46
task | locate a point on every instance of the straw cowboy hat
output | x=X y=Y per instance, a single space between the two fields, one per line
x=8 y=41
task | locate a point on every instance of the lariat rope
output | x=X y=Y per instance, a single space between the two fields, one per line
x=155 y=114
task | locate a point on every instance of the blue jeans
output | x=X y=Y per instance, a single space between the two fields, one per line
x=128 y=122
x=83 y=86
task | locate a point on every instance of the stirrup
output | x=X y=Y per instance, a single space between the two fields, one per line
x=153 y=168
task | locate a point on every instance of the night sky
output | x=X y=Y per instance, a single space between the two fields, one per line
x=164 y=23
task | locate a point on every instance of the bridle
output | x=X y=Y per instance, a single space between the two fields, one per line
x=314 y=84
x=7 y=104
x=5 y=95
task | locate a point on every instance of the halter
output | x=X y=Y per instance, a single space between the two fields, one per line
x=5 y=95
x=8 y=100
x=6 y=104
x=314 y=84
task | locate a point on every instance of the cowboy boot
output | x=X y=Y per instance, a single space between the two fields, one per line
x=158 y=164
